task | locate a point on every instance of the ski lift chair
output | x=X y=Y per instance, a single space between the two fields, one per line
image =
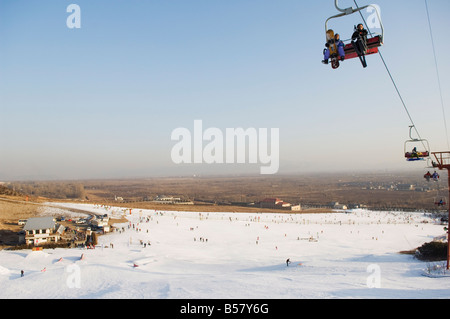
x=373 y=43
x=440 y=201
x=410 y=148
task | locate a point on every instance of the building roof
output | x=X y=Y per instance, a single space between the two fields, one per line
x=39 y=223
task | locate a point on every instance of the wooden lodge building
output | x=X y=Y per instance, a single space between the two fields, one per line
x=41 y=230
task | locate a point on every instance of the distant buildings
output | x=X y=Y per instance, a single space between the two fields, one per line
x=162 y=199
x=406 y=187
x=275 y=203
x=101 y=222
x=336 y=205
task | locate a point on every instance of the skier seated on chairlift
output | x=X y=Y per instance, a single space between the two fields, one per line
x=359 y=38
x=340 y=49
x=435 y=176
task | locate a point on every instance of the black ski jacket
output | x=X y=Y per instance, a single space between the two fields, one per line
x=360 y=34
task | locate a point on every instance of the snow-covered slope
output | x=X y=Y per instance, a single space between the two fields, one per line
x=175 y=255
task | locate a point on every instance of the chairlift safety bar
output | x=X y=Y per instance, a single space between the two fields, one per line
x=348 y=11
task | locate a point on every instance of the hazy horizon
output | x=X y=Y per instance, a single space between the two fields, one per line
x=356 y=173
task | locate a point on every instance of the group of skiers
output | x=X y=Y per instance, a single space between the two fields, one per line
x=359 y=39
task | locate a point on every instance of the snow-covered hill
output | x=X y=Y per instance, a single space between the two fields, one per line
x=188 y=255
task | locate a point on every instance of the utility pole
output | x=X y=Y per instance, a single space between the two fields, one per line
x=443 y=162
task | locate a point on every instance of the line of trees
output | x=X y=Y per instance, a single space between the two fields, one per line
x=60 y=190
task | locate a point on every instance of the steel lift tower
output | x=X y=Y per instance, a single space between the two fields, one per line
x=443 y=162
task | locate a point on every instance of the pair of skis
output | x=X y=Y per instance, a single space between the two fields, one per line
x=360 y=47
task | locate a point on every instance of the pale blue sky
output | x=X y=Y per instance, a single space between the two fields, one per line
x=102 y=101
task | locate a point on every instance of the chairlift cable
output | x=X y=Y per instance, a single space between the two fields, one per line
x=437 y=72
x=393 y=81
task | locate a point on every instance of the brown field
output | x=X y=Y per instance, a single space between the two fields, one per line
x=10 y=213
x=372 y=190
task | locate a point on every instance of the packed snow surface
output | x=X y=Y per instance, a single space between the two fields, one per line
x=159 y=254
